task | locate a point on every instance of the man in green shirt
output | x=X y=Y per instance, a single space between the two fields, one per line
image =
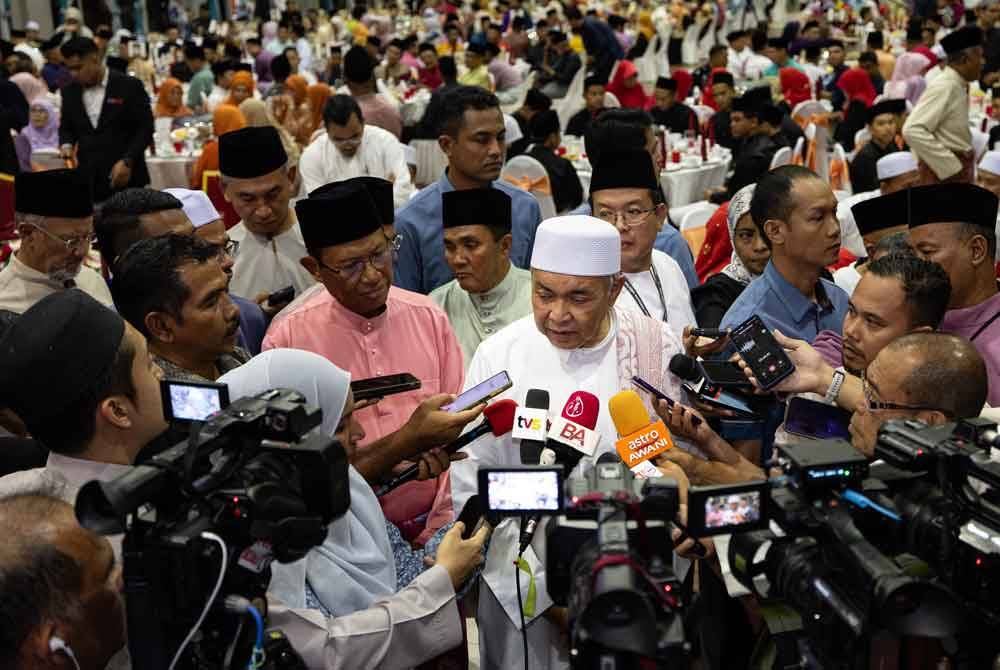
x=487 y=293
x=203 y=79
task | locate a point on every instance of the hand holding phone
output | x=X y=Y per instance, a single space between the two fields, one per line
x=758 y=348
x=281 y=296
x=480 y=393
x=380 y=387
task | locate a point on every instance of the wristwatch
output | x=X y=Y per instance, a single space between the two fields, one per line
x=838 y=380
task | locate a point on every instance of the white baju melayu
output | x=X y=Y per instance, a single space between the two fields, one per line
x=22 y=286
x=850 y=237
x=380 y=155
x=675 y=293
x=266 y=265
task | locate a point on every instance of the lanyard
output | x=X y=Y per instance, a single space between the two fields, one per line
x=659 y=289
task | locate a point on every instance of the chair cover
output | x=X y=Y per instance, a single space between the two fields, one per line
x=693 y=224
x=611 y=100
x=431 y=161
x=527 y=173
x=572 y=102
x=782 y=156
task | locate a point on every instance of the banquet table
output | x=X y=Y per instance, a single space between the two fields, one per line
x=170 y=171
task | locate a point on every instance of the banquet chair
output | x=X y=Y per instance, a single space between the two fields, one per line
x=693 y=224
x=808 y=108
x=799 y=152
x=838 y=174
x=611 y=100
x=211 y=184
x=528 y=174
x=572 y=102
x=980 y=140
x=431 y=161
x=782 y=156
x=522 y=93
x=703 y=112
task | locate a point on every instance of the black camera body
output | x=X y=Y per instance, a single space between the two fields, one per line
x=609 y=561
x=256 y=476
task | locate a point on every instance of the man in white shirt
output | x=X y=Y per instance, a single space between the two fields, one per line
x=257 y=180
x=739 y=52
x=223 y=73
x=621 y=193
x=351 y=148
x=55 y=239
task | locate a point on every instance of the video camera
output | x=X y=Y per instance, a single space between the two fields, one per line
x=609 y=558
x=203 y=519
x=841 y=559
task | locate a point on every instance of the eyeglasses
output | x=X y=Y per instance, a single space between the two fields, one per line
x=876 y=405
x=229 y=248
x=352 y=271
x=631 y=217
x=71 y=242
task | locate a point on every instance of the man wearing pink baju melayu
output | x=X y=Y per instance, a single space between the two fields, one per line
x=370 y=328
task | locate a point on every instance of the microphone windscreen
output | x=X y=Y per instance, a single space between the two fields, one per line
x=685 y=367
x=537 y=399
x=628 y=412
x=500 y=416
x=582 y=409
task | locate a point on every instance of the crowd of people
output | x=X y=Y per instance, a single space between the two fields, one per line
x=857 y=219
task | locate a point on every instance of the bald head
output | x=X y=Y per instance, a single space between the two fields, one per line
x=937 y=361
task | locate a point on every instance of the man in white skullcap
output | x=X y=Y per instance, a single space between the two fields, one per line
x=988 y=176
x=207 y=222
x=574 y=340
x=895 y=172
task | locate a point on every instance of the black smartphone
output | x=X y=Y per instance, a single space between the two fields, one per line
x=522 y=489
x=380 y=387
x=816 y=419
x=473 y=515
x=652 y=390
x=480 y=393
x=725 y=374
x=723 y=400
x=721 y=510
x=192 y=401
x=758 y=348
x=281 y=296
x=710 y=333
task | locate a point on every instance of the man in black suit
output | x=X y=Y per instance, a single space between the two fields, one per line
x=108 y=117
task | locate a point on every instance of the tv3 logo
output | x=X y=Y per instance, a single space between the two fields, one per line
x=528 y=423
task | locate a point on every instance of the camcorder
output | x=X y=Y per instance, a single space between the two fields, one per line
x=869 y=556
x=255 y=476
x=609 y=558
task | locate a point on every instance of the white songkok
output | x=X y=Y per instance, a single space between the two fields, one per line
x=197 y=205
x=990 y=162
x=895 y=164
x=583 y=246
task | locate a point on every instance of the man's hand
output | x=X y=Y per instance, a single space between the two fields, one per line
x=690 y=425
x=701 y=472
x=430 y=426
x=460 y=557
x=696 y=346
x=864 y=432
x=269 y=310
x=432 y=463
x=812 y=373
x=120 y=174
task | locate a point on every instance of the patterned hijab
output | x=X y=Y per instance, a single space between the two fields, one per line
x=738 y=206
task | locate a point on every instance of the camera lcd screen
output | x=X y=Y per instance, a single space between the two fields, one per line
x=193 y=402
x=734 y=509
x=518 y=491
x=718 y=510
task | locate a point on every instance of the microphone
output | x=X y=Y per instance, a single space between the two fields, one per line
x=531 y=425
x=687 y=369
x=498 y=418
x=570 y=438
x=640 y=439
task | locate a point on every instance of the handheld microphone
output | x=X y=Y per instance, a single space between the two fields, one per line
x=498 y=418
x=531 y=425
x=687 y=369
x=570 y=438
x=640 y=439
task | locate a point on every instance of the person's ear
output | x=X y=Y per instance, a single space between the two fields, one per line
x=293 y=172
x=160 y=326
x=115 y=410
x=446 y=142
x=979 y=250
x=35 y=648
x=774 y=229
x=617 y=282
x=932 y=417
x=311 y=266
x=506 y=242
x=660 y=212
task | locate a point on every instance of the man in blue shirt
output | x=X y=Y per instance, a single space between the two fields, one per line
x=472 y=137
x=599 y=40
x=796 y=212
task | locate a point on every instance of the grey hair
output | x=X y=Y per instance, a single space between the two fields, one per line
x=23 y=219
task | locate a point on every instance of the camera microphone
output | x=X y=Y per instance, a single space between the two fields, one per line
x=640 y=439
x=531 y=425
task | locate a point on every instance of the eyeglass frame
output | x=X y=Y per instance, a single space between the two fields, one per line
x=229 y=248
x=392 y=247
x=881 y=406
x=618 y=214
x=70 y=243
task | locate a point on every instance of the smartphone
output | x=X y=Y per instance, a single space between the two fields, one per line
x=818 y=420
x=724 y=373
x=473 y=515
x=758 y=348
x=281 y=296
x=524 y=489
x=710 y=333
x=480 y=393
x=192 y=401
x=723 y=400
x=721 y=510
x=652 y=390
x=380 y=387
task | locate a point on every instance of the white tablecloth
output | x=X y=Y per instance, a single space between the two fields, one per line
x=681 y=186
x=170 y=172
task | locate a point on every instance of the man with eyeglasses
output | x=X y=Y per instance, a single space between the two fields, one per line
x=370 y=328
x=54 y=214
x=352 y=148
x=621 y=193
x=257 y=179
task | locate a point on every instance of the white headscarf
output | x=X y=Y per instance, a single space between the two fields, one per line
x=354 y=566
x=738 y=206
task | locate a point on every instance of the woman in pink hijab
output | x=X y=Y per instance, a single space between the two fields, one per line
x=908 y=77
x=626 y=87
x=31 y=86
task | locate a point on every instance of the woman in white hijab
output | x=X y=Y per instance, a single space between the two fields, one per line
x=749 y=258
x=355 y=565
